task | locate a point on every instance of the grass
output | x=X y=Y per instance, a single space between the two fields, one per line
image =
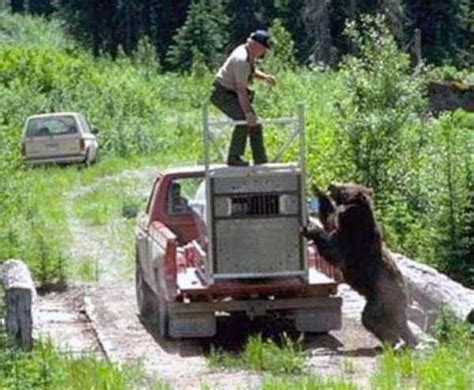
x=305 y=383
x=447 y=366
x=83 y=270
x=46 y=368
x=263 y=355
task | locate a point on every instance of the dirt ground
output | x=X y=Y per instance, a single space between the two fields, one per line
x=102 y=318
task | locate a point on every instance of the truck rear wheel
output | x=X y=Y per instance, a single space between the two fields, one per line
x=163 y=319
x=146 y=298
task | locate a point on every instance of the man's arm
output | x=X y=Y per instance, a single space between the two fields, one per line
x=244 y=101
x=264 y=76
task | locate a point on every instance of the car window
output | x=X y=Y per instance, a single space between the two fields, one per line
x=51 y=126
x=180 y=192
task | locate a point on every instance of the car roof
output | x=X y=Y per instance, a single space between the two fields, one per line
x=53 y=114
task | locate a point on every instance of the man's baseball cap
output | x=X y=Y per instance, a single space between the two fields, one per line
x=262 y=37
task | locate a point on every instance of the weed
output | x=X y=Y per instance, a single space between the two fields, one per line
x=44 y=367
x=263 y=355
x=305 y=383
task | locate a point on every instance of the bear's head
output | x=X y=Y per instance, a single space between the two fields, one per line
x=349 y=193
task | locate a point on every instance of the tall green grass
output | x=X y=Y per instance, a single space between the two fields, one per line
x=46 y=368
x=263 y=355
x=305 y=383
x=448 y=365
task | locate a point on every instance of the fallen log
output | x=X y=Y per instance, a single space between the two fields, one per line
x=430 y=290
x=19 y=295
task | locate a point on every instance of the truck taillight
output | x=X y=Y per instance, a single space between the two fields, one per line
x=23 y=149
x=82 y=145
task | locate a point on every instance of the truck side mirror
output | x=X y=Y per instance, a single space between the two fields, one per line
x=95 y=130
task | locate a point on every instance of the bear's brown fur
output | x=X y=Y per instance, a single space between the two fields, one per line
x=354 y=243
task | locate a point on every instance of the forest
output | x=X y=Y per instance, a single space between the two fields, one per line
x=179 y=29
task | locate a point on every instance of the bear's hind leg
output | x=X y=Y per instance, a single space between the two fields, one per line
x=376 y=322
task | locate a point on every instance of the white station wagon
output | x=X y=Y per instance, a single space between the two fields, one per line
x=58 y=138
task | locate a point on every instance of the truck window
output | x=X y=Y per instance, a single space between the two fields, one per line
x=152 y=196
x=180 y=192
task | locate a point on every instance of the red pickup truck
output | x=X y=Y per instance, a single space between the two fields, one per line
x=237 y=249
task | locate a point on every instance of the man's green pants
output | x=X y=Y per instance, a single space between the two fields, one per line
x=228 y=102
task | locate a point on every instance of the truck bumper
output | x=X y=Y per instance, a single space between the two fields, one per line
x=75 y=158
x=311 y=314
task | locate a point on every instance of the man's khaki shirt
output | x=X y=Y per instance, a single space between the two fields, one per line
x=237 y=69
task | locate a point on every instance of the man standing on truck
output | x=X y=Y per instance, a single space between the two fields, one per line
x=231 y=95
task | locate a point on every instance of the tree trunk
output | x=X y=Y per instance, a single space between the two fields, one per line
x=18 y=6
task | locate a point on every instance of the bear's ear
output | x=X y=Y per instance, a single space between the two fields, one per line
x=370 y=191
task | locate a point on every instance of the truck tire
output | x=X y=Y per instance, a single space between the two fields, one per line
x=163 y=319
x=146 y=298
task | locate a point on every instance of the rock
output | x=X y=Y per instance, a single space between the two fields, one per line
x=450 y=95
x=430 y=290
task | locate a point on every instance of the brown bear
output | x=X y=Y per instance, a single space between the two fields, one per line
x=352 y=240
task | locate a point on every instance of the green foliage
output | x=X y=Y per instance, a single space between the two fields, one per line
x=378 y=112
x=202 y=37
x=145 y=56
x=31 y=31
x=44 y=367
x=452 y=190
x=450 y=330
x=448 y=365
x=305 y=383
x=282 y=53
x=263 y=355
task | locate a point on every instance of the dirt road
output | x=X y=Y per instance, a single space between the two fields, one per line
x=102 y=317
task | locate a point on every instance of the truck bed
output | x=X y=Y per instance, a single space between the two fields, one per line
x=193 y=283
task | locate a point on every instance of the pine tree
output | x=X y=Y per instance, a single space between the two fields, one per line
x=444 y=26
x=205 y=32
x=94 y=23
x=165 y=17
x=40 y=7
x=17 y=6
x=283 y=53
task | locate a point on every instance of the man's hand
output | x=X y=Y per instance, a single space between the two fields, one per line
x=270 y=80
x=251 y=120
